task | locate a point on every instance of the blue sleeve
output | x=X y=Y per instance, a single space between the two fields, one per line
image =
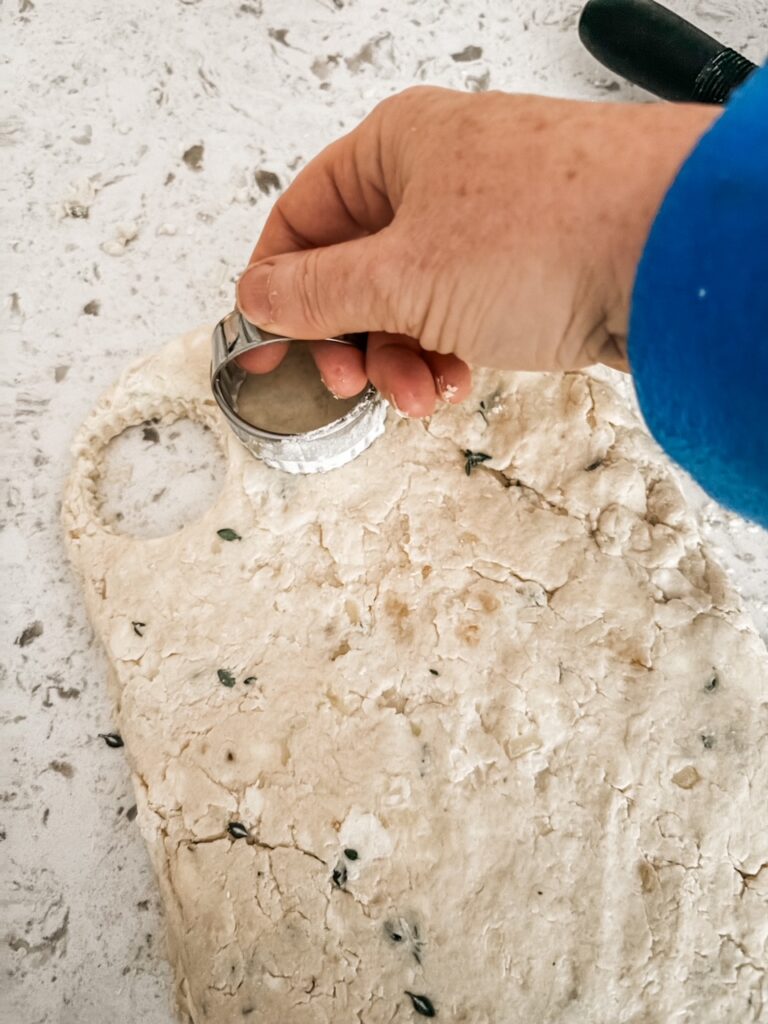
x=698 y=338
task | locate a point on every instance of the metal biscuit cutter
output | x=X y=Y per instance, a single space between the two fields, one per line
x=316 y=451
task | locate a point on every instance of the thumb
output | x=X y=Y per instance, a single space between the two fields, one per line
x=317 y=293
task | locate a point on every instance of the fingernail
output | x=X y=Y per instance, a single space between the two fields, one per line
x=253 y=298
x=397 y=410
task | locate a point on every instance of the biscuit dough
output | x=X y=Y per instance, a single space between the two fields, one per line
x=488 y=747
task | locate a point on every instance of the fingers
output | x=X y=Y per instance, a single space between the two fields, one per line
x=452 y=376
x=361 y=285
x=412 y=379
x=342 y=367
x=263 y=360
x=399 y=373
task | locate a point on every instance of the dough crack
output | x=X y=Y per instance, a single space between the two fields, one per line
x=252 y=840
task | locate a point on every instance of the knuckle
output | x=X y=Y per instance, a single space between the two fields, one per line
x=415 y=93
x=446 y=314
x=310 y=295
x=435 y=333
x=399 y=286
x=405 y=103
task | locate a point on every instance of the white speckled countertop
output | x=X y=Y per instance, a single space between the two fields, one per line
x=142 y=146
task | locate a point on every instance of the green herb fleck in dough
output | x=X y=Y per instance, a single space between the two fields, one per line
x=407 y=933
x=339 y=876
x=249 y=679
x=472 y=459
x=225 y=678
x=226 y=534
x=138 y=628
x=594 y=465
x=112 y=739
x=434 y=672
x=351 y=854
x=712 y=684
x=416 y=943
x=422 y=1005
x=708 y=742
x=237 y=830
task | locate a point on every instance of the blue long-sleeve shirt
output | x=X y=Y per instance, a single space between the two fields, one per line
x=698 y=339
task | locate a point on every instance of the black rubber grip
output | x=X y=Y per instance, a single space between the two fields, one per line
x=720 y=76
x=657 y=49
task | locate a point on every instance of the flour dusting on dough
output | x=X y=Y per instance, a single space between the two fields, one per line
x=469 y=757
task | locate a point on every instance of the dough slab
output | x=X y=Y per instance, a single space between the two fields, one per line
x=485 y=746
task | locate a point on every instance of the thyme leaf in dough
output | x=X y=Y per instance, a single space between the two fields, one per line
x=112 y=739
x=139 y=627
x=472 y=459
x=422 y=1005
x=393 y=931
x=225 y=677
x=227 y=534
x=351 y=854
x=237 y=830
x=339 y=876
x=406 y=932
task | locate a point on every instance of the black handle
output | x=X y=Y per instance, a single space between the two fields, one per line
x=657 y=49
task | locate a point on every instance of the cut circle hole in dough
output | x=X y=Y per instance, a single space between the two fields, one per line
x=157 y=477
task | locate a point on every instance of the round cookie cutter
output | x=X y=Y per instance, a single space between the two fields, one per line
x=316 y=451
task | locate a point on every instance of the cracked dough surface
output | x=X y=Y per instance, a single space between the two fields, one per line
x=525 y=702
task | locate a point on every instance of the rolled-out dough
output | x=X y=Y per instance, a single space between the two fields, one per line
x=488 y=746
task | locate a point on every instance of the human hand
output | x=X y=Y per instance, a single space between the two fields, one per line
x=487 y=229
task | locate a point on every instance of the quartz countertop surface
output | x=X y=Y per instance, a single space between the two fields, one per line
x=142 y=146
